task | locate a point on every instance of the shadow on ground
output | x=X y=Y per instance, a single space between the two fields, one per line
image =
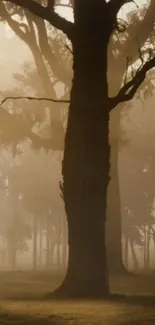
x=22 y=302
x=123 y=318
x=141 y=300
x=10 y=319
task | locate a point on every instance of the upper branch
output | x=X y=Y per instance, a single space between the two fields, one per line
x=128 y=91
x=14 y=25
x=49 y=15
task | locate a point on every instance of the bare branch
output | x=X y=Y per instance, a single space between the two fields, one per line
x=49 y=15
x=14 y=25
x=116 y=5
x=34 y=98
x=128 y=91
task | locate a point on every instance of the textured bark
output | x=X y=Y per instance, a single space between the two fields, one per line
x=86 y=168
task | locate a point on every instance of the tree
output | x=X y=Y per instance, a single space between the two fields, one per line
x=87 y=152
x=137 y=37
x=45 y=51
x=14 y=230
x=137 y=186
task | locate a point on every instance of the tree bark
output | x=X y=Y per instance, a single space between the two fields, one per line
x=86 y=169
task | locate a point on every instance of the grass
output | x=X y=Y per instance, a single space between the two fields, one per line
x=21 y=302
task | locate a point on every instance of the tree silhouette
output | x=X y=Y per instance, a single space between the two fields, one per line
x=122 y=45
x=86 y=158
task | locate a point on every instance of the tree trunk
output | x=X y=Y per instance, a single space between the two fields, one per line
x=34 y=243
x=135 y=260
x=145 y=247
x=58 y=255
x=114 y=229
x=126 y=251
x=52 y=246
x=114 y=220
x=148 y=248
x=40 y=246
x=86 y=167
x=64 y=244
x=47 y=243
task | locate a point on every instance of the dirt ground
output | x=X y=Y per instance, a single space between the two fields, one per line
x=22 y=302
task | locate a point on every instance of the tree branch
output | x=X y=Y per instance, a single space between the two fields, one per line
x=34 y=98
x=116 y=5
x=128 y=91
x=49 y=15
x=14 y=25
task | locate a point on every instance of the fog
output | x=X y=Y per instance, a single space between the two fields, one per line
x=33 y=228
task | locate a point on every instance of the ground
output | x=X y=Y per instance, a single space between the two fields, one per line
x=22 y=303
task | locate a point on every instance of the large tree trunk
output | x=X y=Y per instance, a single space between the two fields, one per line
x=86 y=168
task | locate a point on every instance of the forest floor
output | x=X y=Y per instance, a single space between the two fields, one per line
x=22 y=303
